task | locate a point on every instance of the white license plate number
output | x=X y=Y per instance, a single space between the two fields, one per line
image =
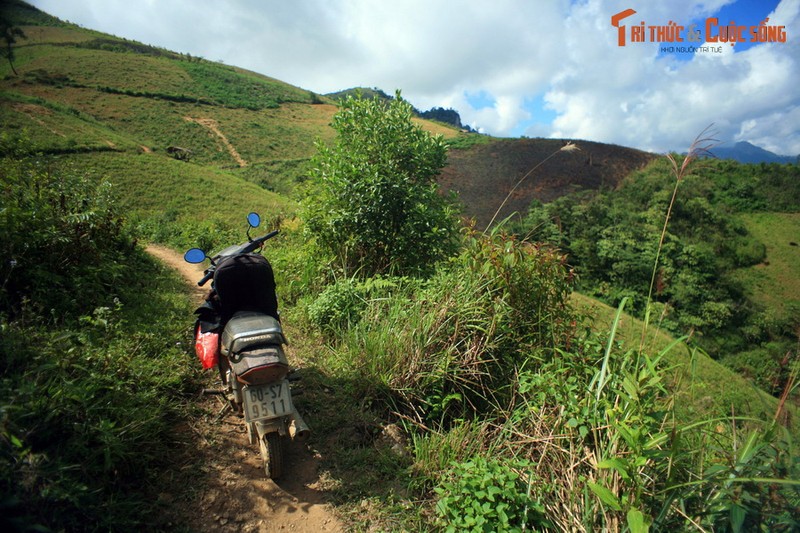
x=267 y=401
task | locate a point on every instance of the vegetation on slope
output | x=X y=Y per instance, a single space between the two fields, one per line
x=94 y=370
x=524 y=416
x=706 y=275
x=377 y=208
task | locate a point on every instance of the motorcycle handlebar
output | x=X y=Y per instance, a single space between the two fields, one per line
x=208 y=276
x=255 y=243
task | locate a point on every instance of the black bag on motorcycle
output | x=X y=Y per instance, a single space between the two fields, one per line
x=245 y=282
x=252 y=338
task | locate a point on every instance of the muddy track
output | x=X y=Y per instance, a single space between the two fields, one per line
x=222 y=485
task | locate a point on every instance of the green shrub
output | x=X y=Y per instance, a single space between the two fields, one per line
x=449 y=347
x=91 y=379
x=489 y=495
x=338 y=307
x=63 y=236
x=378 y=209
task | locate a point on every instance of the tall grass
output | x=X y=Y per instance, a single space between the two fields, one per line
x=514 y=402
x=700 y=147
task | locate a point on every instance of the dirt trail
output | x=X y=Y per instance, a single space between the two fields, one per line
x=213 y=126
x=32 y=110
x=234 y=494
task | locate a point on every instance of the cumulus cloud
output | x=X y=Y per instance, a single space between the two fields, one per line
x=516 y=52
x=658 y=102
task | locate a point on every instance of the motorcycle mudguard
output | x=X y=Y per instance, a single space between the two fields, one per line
x=252 y=343
x=247 y=331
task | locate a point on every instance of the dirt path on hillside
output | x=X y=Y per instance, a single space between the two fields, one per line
x=220 y=485
x=32 y=110
x=213 y=126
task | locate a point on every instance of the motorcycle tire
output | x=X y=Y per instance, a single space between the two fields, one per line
x=272 y=453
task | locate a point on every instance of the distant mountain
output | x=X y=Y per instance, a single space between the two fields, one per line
x=439 y=114
x=745 y=152
x=363 y=91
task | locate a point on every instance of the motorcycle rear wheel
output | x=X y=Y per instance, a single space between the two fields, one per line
x=272 y=452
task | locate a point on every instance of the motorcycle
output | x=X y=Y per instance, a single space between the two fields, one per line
x=241 y=311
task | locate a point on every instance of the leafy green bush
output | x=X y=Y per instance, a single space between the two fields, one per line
x=378 y=209
x=91 y=378
x=338 y=307
x=611 y=238
x=88 y=411
x=448 y=347
x=64 y=238
x=489 y=495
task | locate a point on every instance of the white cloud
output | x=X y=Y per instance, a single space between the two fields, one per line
x=515 y=51
x=659 y=103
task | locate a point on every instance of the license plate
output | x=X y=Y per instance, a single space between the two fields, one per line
x=267 y=401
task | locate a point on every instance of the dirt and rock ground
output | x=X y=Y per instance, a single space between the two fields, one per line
x=220 y=485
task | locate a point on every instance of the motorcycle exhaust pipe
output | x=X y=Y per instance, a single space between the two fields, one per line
x=298 y=429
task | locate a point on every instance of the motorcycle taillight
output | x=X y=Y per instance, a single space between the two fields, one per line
x=260 y=366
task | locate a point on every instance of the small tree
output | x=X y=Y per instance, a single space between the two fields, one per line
x=379 y=209
x=9 y=34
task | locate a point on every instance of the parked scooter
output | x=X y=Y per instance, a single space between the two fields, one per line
x=241 y=311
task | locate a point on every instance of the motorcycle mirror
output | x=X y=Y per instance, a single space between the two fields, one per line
x=254 y=220
x=194 y=256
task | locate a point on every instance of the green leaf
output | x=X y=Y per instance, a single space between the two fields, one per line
x=606 y=496
x=637 y=522
x=619 y=465
x=737 y=514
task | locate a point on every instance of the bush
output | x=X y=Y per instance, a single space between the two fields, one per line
x=379 y=209
x=63 y=238
x=338 y=307
x=489 y=495
x=91 y=378
x=449 y=347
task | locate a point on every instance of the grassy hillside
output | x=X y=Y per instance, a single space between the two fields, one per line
x=775 y=283
x=703 y=388
x=115 y=107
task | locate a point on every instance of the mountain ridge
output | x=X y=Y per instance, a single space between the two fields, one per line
x=747 y=152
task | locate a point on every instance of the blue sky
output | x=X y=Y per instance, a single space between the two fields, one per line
x=551 y=68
